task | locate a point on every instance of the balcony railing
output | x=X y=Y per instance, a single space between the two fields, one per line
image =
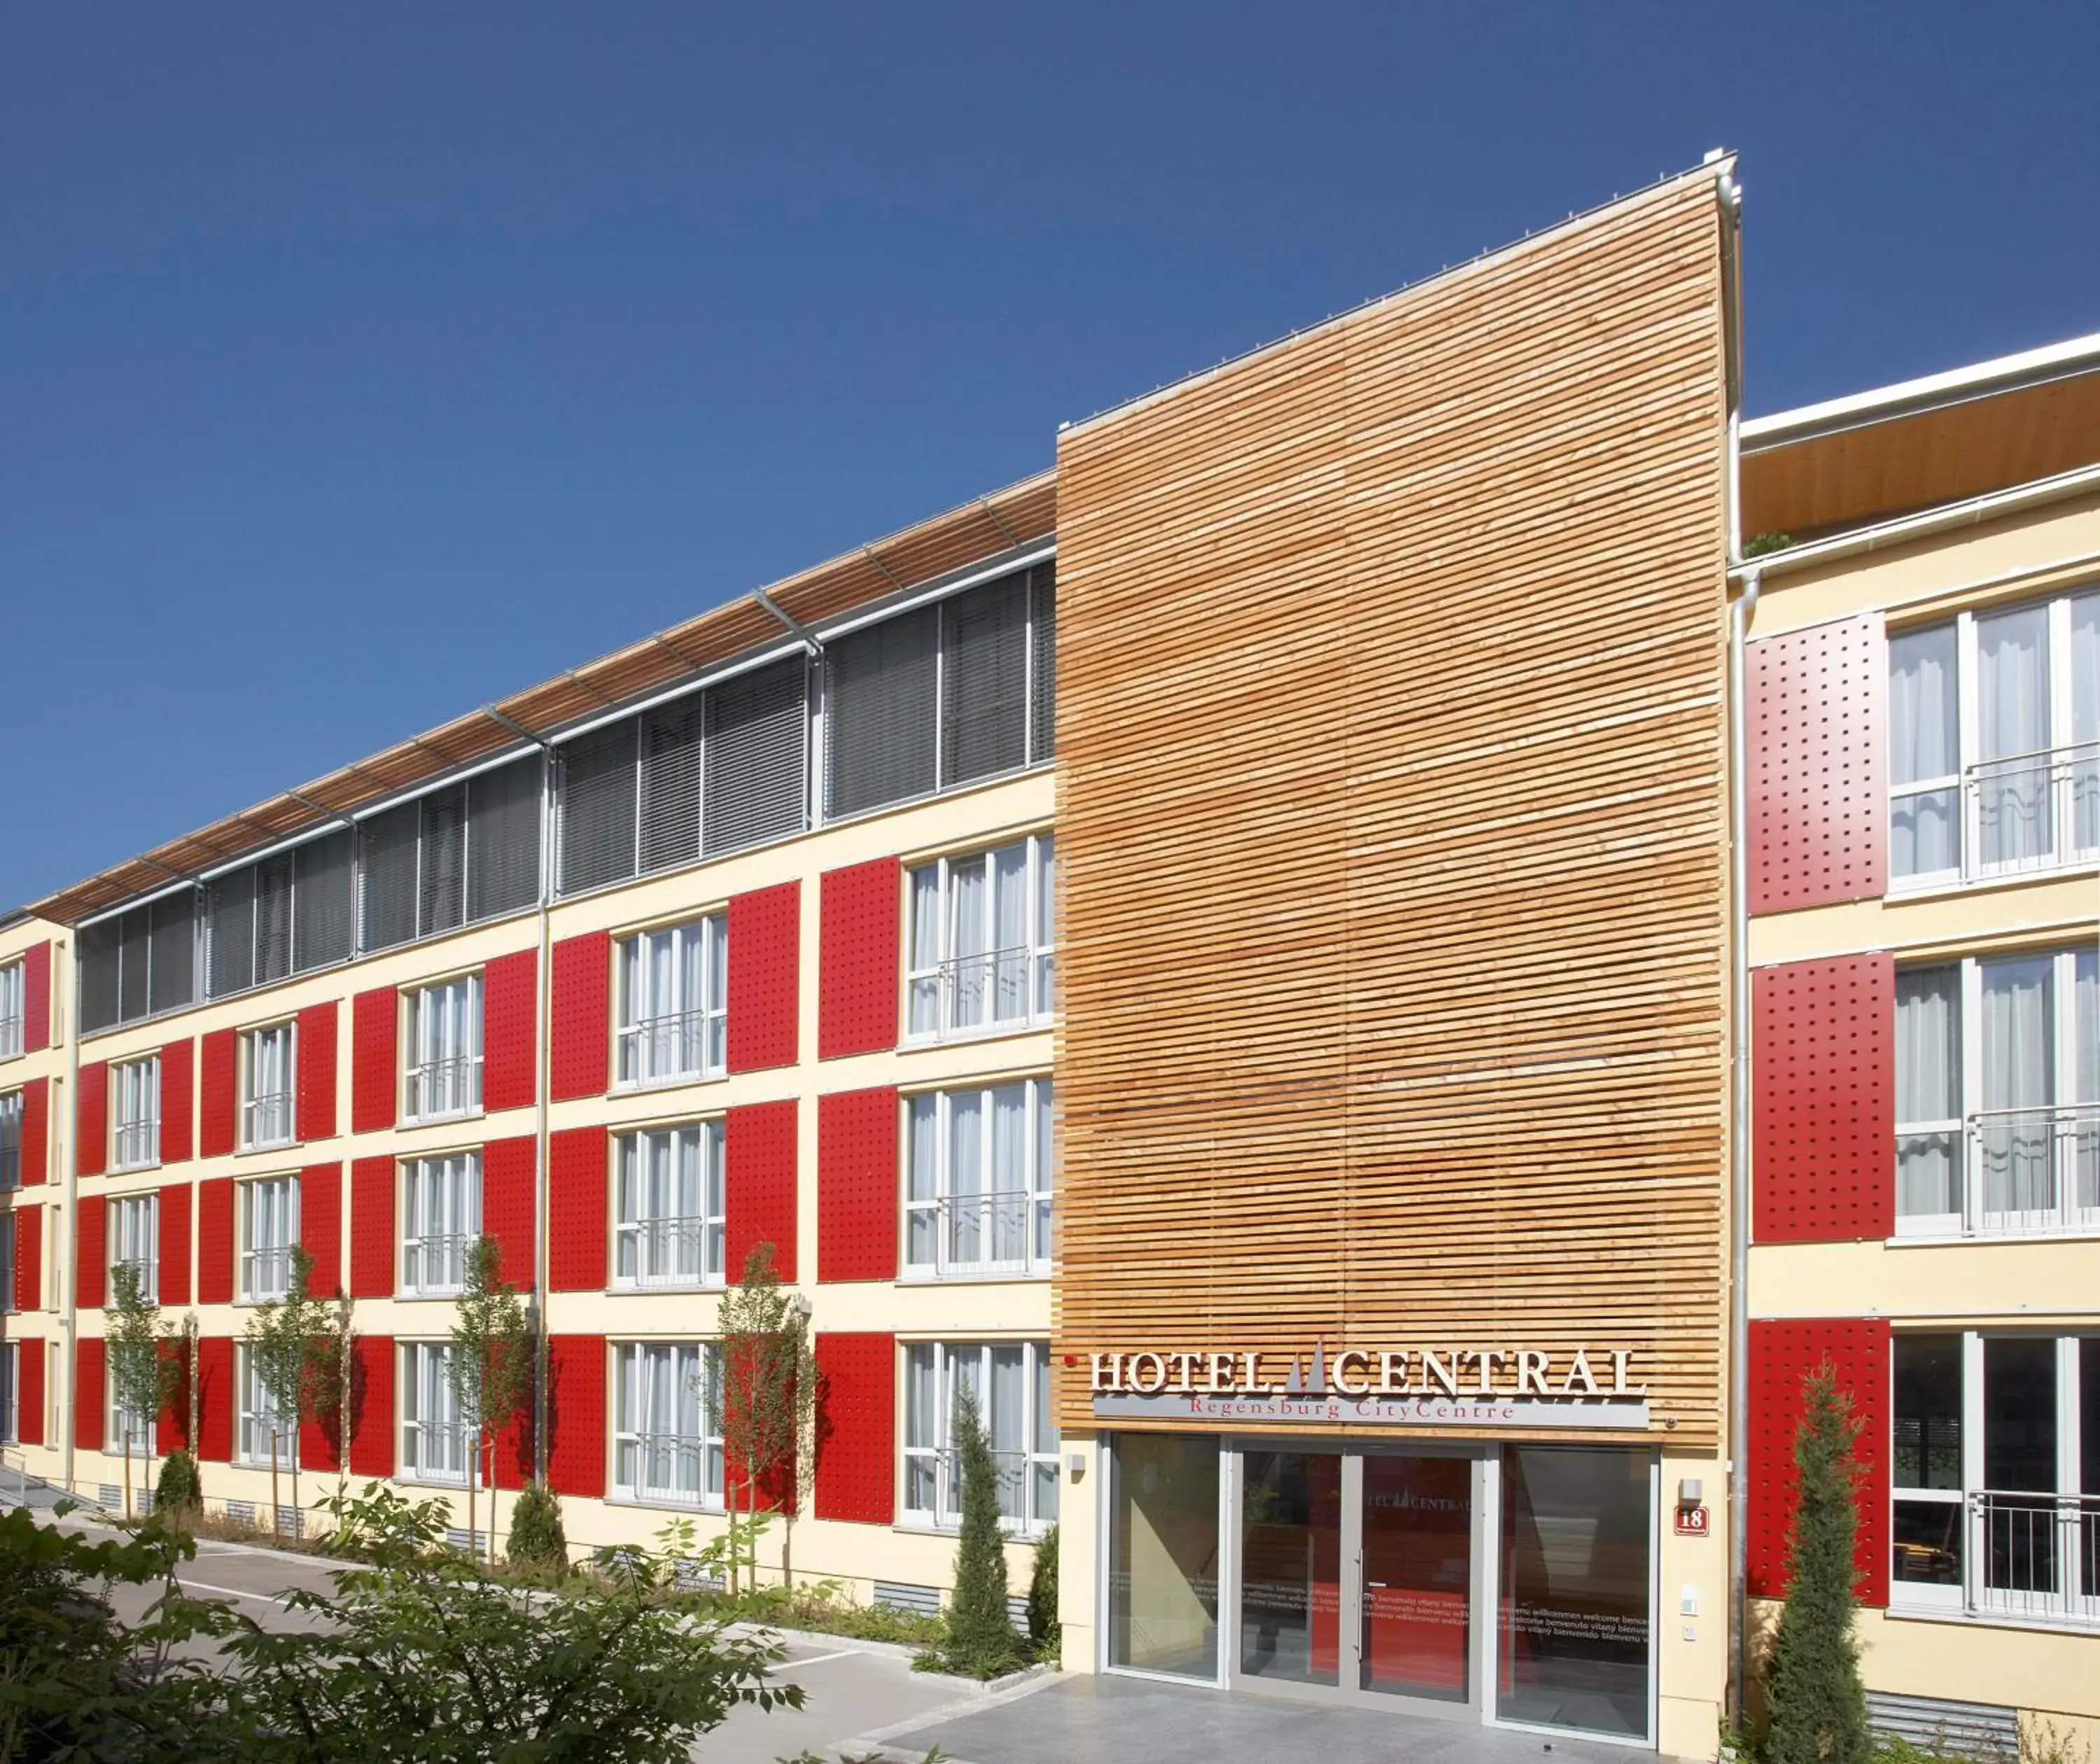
x=11 y=1036
x=436 y=1265
x=680 y=1044
x=934 y=1487
x=672 y=1467
x=668 y=1252
x=1000 y=988
x=138 y=1142
x=2005 y=1172
x=266 y=1274
x=267 y=1119
x=1003 y=1231
x=2031 y=811
x=440 y=1087
x=2034 y=1557
x=436 y=1451
x=142 y=1268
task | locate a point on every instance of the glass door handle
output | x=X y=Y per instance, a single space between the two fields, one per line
x=1380 y=1585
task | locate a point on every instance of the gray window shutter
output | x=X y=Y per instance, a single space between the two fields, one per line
x=598 y=808
x=98 y=974
x=503 y=839
x=174 y=982
x=322 y=902
x=230 y=931
x=671 y=785
x=273 y=919
x=441 y=896
x=1043 y=685
x=881 y=723
x=984 y=681
x=758 y=737
x=386 y=878
x=133 y=940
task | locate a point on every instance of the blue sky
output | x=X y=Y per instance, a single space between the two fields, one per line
x=359 y=365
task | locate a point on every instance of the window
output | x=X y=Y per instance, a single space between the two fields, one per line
x=1994 y=743
x=267 y=1434
x=134 y=1242
x=674 y=1003
x=128 y=1427
x=265 y=1086
x=269 y=1225
x=667 y=1438
x=139 y=963
x=136 y=1136
x=11 y=1140
x=1010 y=1380
x=444 y=1050
x=11 y=1228
x=10 y=1392
x=979 y=1185
x=1994 y=1468
x=440 y=1219
x=434 y=1447
x=455 y=856
x=983 y=938
x=1998 y=1094
x=11 y=1010
x=669 y=1217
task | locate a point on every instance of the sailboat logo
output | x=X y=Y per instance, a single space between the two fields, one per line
x=1312 y=1382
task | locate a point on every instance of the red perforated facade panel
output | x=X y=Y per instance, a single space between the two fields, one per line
x=177 y=1102
x=578 y=1051
x=317 y=1073
x=374 y=1036
x=859 y=984
x=320 y=1226
x=36 y=1132
x=90 y=1394
x=215 y=1240
x=29 y=1258
x=856 y=1134
x=91 y=1119
x=217 y=1085
x=1782 y=1354
x=1823 y=1131
x=175 y=1244
x=1817 y=783
x=31 y=1400
x=509 y=1014
x=506 y=1206
x=765 y=976
x=759 y=1176
x=91 y=1255
x=577 y=1209
x=172 y=1418
x=215 y=1398
x=371 y=1227
x=856 y=1424
x=37 y=997
x=371 y=1406
x=576 y=1415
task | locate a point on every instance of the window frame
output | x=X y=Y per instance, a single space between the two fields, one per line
x=134 y=1116
x=14 y=1115
x=118 y=1421
x=933 y=978
x=1037 y=1195
x=254 y=1419
x=420 y=1177
x=632 y=971
x=1038 y=1453
x=632 y=1226
x=418 y=1072
x=14 y=1008
x=424 y=1367
x=259 y=1110
x=10 y=1393
x=132 y=1222
x=249 y=1255
x=10 y=1257
x=705 y=1446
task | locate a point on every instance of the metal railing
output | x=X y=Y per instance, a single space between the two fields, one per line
x=436 y=1451
x=2033 y=1556
x=11 y=1036
x=2013 y=1172
x=993 y=989
x=666 y=1467
x=138 y=1142
x=266 y=1274
x=670 y=1251
x=993 y=1233
x=143 y=1272
x=678 y=1044
x=267 y=1119
x=440 y=1087
x=2032 y=811
x=436 y=1265
x=1015 y=1470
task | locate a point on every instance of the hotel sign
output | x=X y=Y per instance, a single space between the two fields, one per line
x=1404 y=1387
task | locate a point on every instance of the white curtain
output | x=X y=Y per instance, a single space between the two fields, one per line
x=2085 y=1081
x=2012 y=706
x=922 y=1179
x=1923 y=744
x=2018 y=1074
x=966 y=1174
x=1006 y=1414
x=926 y=950
x=1010 y=931
x=1927 y=1090
x=1009 y=1177
x=2085 y=720
x=1046 y=1165
x=967 y=918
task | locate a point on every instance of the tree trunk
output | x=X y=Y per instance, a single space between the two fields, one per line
x=127 y=1466
x=276 y=1523
x=473 y=1488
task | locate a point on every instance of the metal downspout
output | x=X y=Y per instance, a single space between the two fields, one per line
x=1739 y=1159
x=543 y=1031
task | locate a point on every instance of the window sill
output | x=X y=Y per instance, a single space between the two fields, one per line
x=707 y=1506
x=409 y=1478
x=266 y=1145
x=416 y=1295
x=644 y=1086
x=967 y=1038
x=446 y=1119
x=285 y=1465
x=133 y=1170
x=912 y=1276
x=681 y=1290
x=923 y=1528
x=1942 y=888
x=1987 y=1620
x=1946 y=1240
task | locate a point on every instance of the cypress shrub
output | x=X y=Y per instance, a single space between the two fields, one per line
x=981 y=1636
x=1043 y=1628
x=536 y=1538
x=178 y=1494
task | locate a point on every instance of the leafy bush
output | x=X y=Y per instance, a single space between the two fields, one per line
x=178 y=1493
x=820 y=1606
x=1043 y=1629
x=536 y=1538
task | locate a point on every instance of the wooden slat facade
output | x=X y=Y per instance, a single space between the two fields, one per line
x=1393 y=828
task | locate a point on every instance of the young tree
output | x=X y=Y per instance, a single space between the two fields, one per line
x=764 y=1399
x=1818 y=1704
x=494 y=1360
x=131 y=1334
x=980 y=1635
x=331 y=1362
x=279 y=1337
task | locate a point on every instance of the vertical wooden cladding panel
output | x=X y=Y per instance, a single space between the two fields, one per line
x=764 y=935
x=1782 y=1356
x=90 y=1284
x=91 y=1119
x=174 y=1271
x=856 y=1134
x=31 y=1400
x=579 y=1055
x=36 y=1132
x=1392 y=748
x=177 y=1102
x=1816 y=723
x=576 y=1415
x=371 y=1406
x=90 y=1394
x=856 y=1427
x=372 y=1228
x=509 y=1017
x=1824 y=1121
x=37 y=997
x=577 y=1209
x=758 y=1159
x=218 y=1082
x=320 y=1226
x=215 y=1242
x=28 y=1257
x=506 y=1206
x=375 y=1045
x=316 y=1073
x=860 y=984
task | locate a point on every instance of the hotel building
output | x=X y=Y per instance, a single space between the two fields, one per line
x=1341 y=957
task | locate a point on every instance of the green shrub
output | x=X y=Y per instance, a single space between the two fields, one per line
x=178 y=1494
x=1043 y=1629
x=980 y=1639
x=536 y=1537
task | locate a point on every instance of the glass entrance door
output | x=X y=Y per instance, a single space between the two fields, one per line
x=1417 y=1603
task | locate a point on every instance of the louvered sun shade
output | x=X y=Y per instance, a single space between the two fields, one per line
x=880 y=715
x=757 y=759
x=324 y=902
x=139 y=964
